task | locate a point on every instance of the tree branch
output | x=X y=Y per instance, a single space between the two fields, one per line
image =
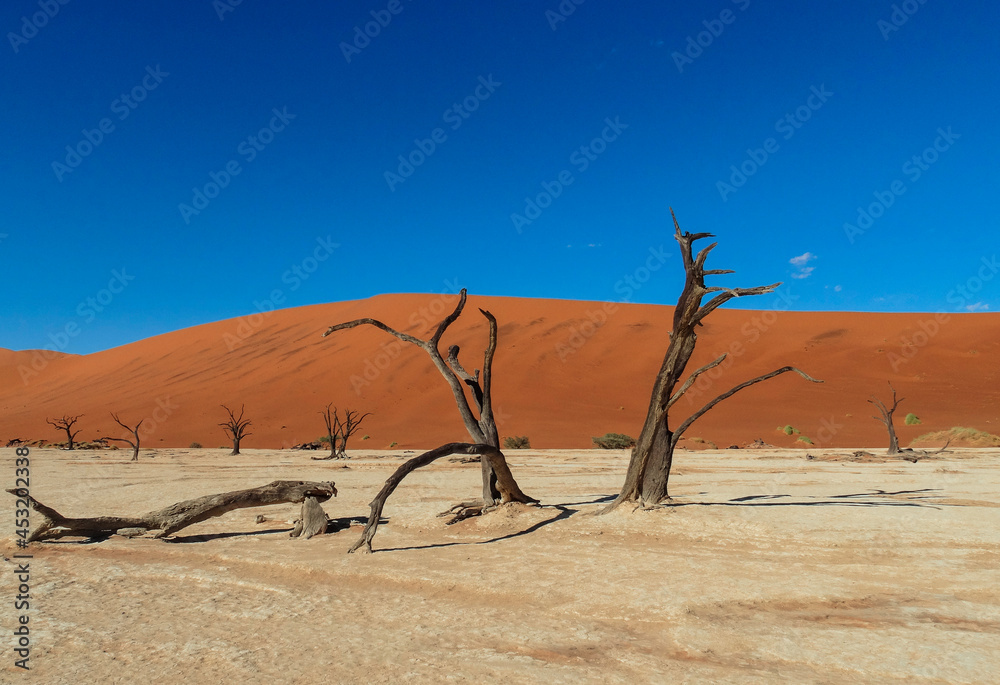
x=746 y=384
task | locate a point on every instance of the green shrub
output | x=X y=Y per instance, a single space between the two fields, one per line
x=392 y=444
x=912 y=419
x=365 y=437
x=194 y=446
x=614 y=441
x=789 y=430
x=517 y=442
x=325 y=439
x=804 y=439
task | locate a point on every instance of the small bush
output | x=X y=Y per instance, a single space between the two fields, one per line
x=789 y=430
x=517 y=442
x=365 y=437
x=912 y=419
x=804 y=439
x=392 y=444
x=194 y=446
x=614 y=441
x=324 y=439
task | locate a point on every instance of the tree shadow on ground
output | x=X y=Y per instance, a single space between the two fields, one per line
x=874 y=498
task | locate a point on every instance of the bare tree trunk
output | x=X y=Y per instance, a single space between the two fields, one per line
x=507 y=486
x=134 y=443
x=236 y=428
x=652 y=457
x=885 y=417
x=169 y=520
x=482 y=430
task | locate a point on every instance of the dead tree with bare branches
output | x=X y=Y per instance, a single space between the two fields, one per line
x=482 y=430
x=339 y=431
x=65 y=423
x=235 y=428
x=134 y=442
x=885 y=417
x=649 y=467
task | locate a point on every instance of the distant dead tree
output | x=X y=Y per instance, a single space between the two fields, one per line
x=135 y=435
x=341 y=431
x=482 y=430
x=649 y=467
x=66 y=424
x=885 y=417
x=235 y=428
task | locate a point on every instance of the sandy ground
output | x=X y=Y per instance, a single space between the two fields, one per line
x=773 y=568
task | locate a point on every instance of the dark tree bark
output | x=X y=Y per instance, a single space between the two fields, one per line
x=135 y=435
x=506 y=485
x=482 y=430
x=170 y=520
x=348 y=427
x=66 y=424
x=885 y=417
x=649 y=468
x=235 y=428
x=332 y=421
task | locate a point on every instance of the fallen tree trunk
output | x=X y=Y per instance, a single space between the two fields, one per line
x=169 y=520
x=505 y=483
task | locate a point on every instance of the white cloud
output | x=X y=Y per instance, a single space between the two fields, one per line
x=800 y=263
x=977 y=307
x=802 y=259
x=837 y=288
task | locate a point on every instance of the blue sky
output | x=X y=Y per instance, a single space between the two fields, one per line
x=173 y=163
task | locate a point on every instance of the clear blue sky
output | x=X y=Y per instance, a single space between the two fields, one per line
x=512 y=96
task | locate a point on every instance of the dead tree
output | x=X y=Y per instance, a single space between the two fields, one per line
x=170 y=520
x=348 y=427
x=885 y=417
x=332 y=421
x=482 y=430
x=135 y=435
x=652 y=457
x=235 y=428
x=507 y=486
x=340 y=431
x=66 y=424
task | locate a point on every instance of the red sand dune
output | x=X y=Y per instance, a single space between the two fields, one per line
x=559 y=379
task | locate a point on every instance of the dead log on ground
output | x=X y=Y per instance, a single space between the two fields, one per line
x=170 y=520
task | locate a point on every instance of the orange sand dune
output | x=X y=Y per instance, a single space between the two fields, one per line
x=564 y=371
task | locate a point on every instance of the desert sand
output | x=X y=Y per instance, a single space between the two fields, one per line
x=560 y=378
x=773 y=567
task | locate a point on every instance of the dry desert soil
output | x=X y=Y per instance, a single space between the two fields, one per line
x=771 y=568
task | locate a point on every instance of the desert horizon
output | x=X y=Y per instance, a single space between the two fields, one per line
x=566 y=371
